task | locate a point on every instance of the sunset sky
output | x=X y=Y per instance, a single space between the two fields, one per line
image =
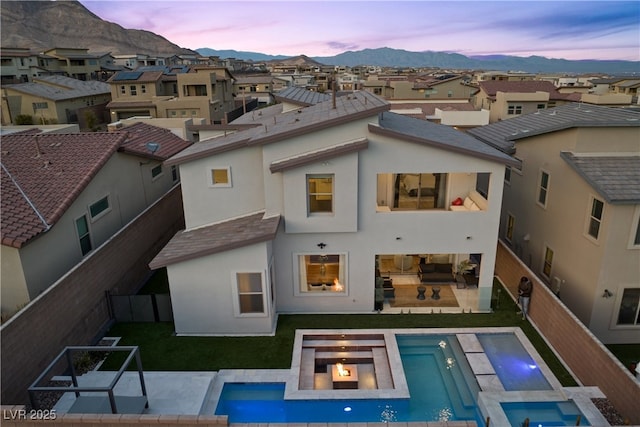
x=566 y=29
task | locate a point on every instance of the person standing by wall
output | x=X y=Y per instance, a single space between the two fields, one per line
x=524 y=295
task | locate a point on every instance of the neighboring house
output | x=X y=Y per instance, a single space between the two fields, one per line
x=17 y=65
x=63 y=195
x=260 y=87
x=448 y=86
x=571 y=210
x=508 y=99
x=172 y=92
x=56 y=99
x=76 y=63
x=268 y=205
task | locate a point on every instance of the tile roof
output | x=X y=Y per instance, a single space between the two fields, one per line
x=290 y=124
x=43 y=174
x=502 y=135
x=139 y=135
x=615 y=178
x=444 y=137
x=215 y=238
x=301 y=96
x=492 y=87
x=59 y=88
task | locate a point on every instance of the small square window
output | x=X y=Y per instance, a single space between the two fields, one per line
x=174 y=173
x=133 y=90
x=507 y=174
x=220 y=177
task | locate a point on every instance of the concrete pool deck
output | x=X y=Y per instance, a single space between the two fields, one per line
x=198 y=393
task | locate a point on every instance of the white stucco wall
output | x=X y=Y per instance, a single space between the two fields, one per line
x=205 y=204
x=204 y=297
x=14 y=286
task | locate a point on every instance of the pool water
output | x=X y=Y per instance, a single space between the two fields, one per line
x=544 y=414
x=512 y=362
x=440 y=382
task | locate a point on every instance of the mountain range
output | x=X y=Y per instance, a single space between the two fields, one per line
x=387 y=57
x=43 y=25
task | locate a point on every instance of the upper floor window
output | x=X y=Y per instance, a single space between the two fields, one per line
x=595 y=217
x=412 y=191
x=507 y=174
x=40 y=106
x=123 y=89
x=629 y=312
x=320 y=194
x=174 y=173
x=195 y=90
x=156 y=171
x=541 y=106
x=220 y=177
x=543 y=188
x=99 y=208
x=514 y=109
x=143 y=88
x=133 y=90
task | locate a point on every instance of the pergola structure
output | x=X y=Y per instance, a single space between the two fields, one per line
x=93 y=399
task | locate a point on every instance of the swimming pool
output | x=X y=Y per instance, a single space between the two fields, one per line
x=544 y=414
x=440 y=382
x=512 y=362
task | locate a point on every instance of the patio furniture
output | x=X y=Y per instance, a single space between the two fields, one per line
x=421 y=291
x=435 y=292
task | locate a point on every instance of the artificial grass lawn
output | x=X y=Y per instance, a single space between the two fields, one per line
x=161 y=350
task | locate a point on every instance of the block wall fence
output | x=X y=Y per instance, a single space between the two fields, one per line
x=589 y=360
x=75 y=310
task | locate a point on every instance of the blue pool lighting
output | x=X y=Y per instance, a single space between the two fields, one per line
x=347 y=409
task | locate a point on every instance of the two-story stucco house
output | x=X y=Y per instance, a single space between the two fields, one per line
x=292 y=214
x=63 y=195
x=571 y=210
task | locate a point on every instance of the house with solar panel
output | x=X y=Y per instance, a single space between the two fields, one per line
x=172 y=92
x=64 y=195
x=317 y=203
x=571 y=209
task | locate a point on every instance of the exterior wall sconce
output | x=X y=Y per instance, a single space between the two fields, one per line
x=322 y=245
x=607 y=294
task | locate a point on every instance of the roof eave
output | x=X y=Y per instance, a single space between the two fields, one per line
x=423 y=141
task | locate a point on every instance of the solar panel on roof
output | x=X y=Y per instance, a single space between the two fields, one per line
x=127 y=75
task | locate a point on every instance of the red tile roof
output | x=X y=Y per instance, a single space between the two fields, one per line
x=140 y=134
x=43 y=174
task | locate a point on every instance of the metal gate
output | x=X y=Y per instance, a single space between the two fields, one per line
x=141 y=308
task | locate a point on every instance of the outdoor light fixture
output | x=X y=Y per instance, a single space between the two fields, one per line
x=322 y=245
x=607 y=294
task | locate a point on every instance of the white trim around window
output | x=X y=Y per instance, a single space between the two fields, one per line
x=626 y=314
x=219 y=177
x=315 y=274
x=157 y=172
x=99 y=208
x=546 y=266
x=543 y=184
x=634 y=235
x=510 y=225
x=594 y=217
x=249 y=294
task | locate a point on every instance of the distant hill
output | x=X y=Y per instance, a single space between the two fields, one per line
x=387 y=57
x=44 y=25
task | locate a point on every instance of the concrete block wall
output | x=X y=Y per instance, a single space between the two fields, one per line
x=75 y=309
x=583 y=353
